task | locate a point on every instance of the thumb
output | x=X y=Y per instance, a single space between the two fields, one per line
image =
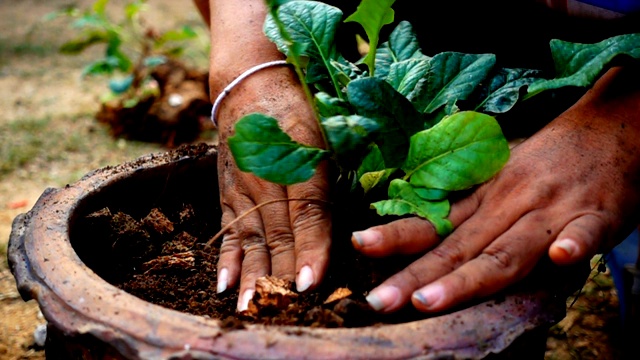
x=579 y=239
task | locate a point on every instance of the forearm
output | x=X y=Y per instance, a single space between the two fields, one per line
x=237 y=39
x=603 y=127
x=615 y=98
x=608 y=117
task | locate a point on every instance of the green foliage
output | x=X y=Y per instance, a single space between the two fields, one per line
x=131 y=48
x=424 y=126
x=261 y=147
x=373 y=15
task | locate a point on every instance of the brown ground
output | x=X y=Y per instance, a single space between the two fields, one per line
x=48 y=138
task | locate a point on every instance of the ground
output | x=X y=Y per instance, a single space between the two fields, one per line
x=49 y=137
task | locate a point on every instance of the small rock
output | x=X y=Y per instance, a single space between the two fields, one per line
x=40 y=335
x=175 y=100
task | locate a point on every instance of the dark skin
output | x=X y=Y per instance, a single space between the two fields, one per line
x=568 y=192
x=290 y=240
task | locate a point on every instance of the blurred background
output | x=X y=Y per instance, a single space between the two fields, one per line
x=86 y=84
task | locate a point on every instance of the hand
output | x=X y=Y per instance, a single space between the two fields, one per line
x=289 y=240
x=285 y=239
x=570 y=191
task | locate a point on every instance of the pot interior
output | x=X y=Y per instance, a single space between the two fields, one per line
x=190 y=179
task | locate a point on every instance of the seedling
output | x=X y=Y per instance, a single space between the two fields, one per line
x=132 y=47
x=421 y=126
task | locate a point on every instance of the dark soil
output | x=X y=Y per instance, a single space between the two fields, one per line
x=159 y=254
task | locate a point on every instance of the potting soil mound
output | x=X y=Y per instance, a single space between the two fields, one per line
x=162 y=258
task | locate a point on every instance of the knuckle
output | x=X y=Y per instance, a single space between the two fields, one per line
x=462 y=281
x=413 y=277
x=307 y=215
x=253 y=243
x=281 y=244
x=499 y=257
x=450 y=254
x=229 y=245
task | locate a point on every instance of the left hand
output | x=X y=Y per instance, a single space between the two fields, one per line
x=571 y=190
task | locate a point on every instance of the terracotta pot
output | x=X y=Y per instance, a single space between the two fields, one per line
x=90 y=319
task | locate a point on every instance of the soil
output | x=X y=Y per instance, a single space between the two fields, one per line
x=176 y=115
x=168 y=246
x=40 y=86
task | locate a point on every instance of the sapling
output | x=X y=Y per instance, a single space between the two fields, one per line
x=132 y=48
x=421 y=126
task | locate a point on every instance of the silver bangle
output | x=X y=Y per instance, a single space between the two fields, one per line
x=244 y=75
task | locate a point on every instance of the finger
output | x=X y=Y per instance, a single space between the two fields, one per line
x=411 y=235
x=465 y=243
x=277 y=227
x=256 y=261
x=508 y=259
x=578 y=240
x=230 y=255
x=311 y=224
x=405 y=236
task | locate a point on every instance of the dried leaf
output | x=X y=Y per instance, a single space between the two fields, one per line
x=271 y=293
x=339 y=294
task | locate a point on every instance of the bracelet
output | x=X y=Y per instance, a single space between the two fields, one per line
x=244 y=75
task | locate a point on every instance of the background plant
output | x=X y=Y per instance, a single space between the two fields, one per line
x=422 y=126
x=132 y=47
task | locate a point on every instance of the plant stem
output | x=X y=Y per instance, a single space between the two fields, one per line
x=295 y=60
x=257 y=207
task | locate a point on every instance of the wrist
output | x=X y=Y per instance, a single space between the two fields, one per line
x=227 y=89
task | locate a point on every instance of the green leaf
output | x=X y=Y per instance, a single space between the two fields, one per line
x=134 y=8
x=452 y=77
x=372 y=15
x=463 y=150
x=115 y=52
x=311 y=27
x=431 y=194
x=581 y=64
x=261 y=147
x=405 y=75
x=403 y=200
x=119 y=86
x=402 y=45
x=99 y=6
x=78 y=45
x=329 y=106
x=503 y=91
x=101 y=67
x=345 y=71
x=348 y=133
x=89 y=20
x=378 y=100
x=184 y=33
x=372 y=170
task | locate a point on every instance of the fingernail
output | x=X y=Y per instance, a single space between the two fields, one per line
x=244 y=302
x=223 y=280
x=568 y=245
x=367 y=237
x=305 y=278
x=429 y=295
x=383 y=297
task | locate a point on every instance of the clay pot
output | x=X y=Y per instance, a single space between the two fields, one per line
x=90 y=319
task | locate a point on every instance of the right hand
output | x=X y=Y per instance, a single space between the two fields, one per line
x=289 y=240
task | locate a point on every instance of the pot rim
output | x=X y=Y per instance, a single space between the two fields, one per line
x=76 y=301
